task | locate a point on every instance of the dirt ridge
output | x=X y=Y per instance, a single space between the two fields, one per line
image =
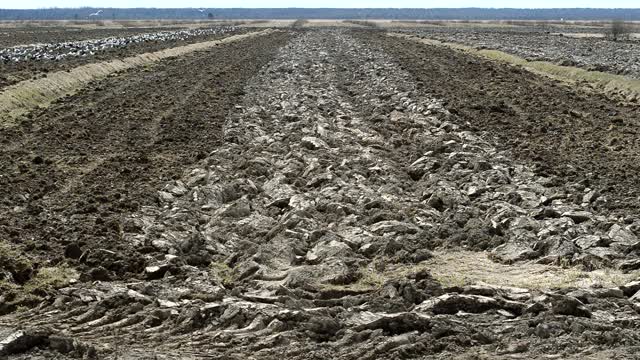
x=333 y=193
x=615 y=86
x=20 y=98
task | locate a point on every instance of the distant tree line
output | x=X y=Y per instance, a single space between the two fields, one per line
x=299 y=13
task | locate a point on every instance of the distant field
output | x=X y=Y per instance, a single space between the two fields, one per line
x=117 y=24
x=90 y=24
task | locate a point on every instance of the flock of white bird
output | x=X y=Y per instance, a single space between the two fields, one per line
x=84 y=48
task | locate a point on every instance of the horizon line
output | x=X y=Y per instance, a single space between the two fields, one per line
x=342 y=8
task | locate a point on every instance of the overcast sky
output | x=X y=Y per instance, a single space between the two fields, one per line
x=34 y=4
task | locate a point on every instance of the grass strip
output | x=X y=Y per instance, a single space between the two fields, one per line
x=20 y=98
x=609 y=84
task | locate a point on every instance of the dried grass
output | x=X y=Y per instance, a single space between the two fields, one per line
x=461 y=268
x=609 y=84
x=466 y=268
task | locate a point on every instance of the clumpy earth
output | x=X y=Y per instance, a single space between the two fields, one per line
x=321 y=194
x=65 y=50
x=22 y=35
x=593 y=52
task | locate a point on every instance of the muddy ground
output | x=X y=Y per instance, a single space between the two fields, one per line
x=72 y=171
x=580 y=137
x=13 y=36
x=546 y=44
x=320 y=194
x=14 y=72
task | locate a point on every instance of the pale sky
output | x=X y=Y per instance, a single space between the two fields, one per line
x=35 y=4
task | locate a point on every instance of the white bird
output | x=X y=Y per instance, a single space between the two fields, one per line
x=201 y=10
x=97 y=13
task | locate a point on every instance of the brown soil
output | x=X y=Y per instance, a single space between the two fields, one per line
x=32 y=35
x=319 y=201
x=72 y=171
x=565 y=132
x=11 y=73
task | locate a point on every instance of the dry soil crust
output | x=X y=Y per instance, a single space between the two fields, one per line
x=34 y=35
x=70 y=172
x=617 y=57
x=565 y=132
x=12 y=73
x=303 y=234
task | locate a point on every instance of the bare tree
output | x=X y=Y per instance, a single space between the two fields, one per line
x=299 y=23
x=619 y=30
